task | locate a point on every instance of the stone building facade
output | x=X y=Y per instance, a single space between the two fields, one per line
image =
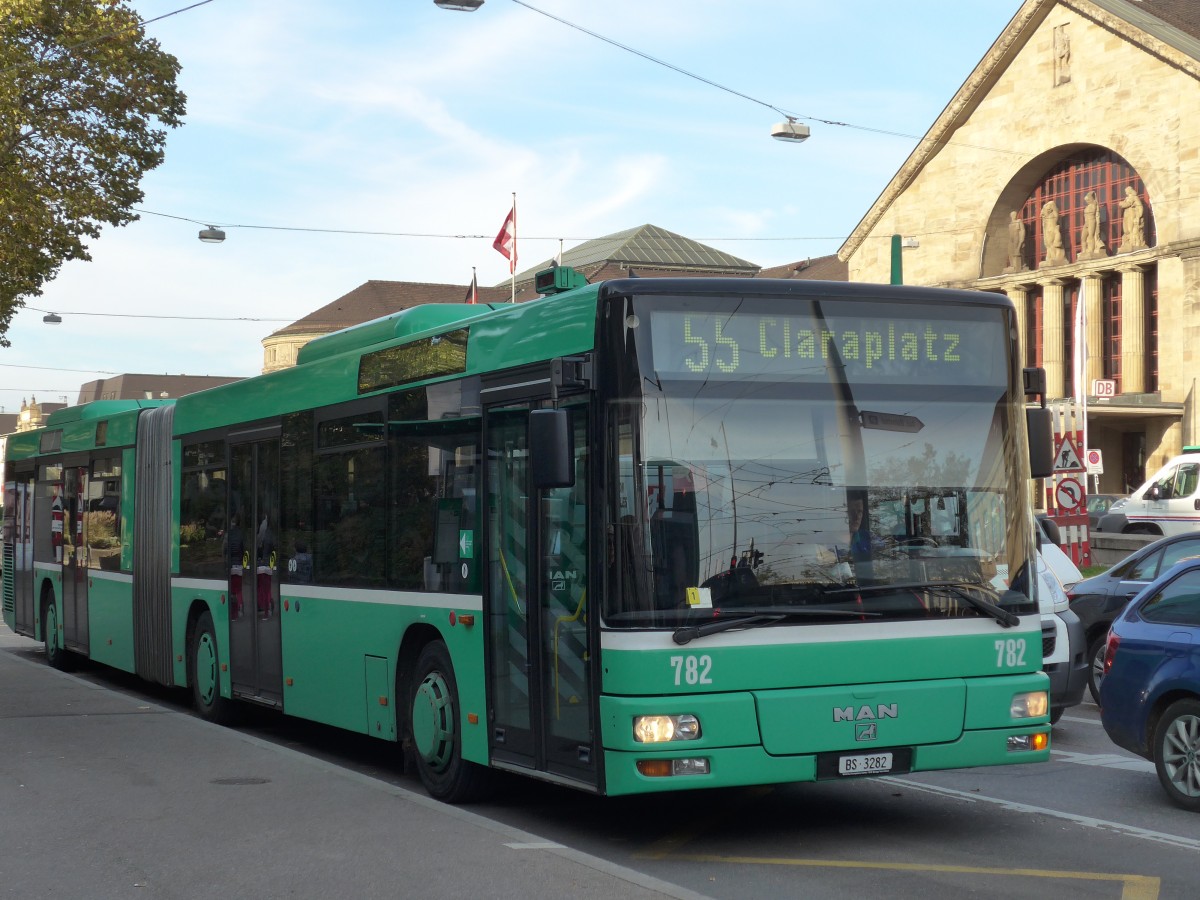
x=1066 y=171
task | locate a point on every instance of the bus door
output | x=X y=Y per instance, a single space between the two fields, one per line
x=75 y=557
x=18 y=547
x=255 y=654
x=536 y=605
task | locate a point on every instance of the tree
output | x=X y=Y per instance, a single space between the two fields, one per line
x=85 y=101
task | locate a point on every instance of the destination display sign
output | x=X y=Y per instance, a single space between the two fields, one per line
x=869 y=346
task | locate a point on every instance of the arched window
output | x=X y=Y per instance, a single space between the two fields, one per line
x=1068 y=184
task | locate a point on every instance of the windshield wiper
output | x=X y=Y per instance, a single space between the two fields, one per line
x=1004 y=617
x=691 y=632
x=957 y=589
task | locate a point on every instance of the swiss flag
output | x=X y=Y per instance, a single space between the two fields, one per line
x=506 y=240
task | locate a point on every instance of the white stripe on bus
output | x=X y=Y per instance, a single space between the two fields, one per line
x=469 y=602
x=825 y=633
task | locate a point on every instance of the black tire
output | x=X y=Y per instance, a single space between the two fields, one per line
x=1176 y=753
x=1096 y=665
x=435 y=731
x=57 y=656
x=204 y=674
x=1056 y=714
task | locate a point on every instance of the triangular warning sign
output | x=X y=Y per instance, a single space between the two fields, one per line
x=1066 y=458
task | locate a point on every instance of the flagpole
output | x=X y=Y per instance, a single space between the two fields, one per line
x=1080 y=363
x=512 y=263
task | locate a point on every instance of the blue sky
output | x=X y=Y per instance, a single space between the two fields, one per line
x=365 y=115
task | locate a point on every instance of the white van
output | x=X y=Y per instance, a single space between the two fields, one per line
x=1064 y=656
x=1168 y=503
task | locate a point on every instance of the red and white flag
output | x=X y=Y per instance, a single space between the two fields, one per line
x=506 y=240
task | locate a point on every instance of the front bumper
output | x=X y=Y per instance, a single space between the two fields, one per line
x=1068 y=679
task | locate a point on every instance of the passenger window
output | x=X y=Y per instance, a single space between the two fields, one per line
x=202 y=511
x=1165 y=485
x=1146 y=569
x=1177 y=552
x=1186 y=480
x=434 y=519
x=102 y=518
x=1176 y=604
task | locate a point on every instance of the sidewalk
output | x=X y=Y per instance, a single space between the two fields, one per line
x=111 y=796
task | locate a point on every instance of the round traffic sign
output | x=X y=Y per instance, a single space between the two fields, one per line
x=1068 y=493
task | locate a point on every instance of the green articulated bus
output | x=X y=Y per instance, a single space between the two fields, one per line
x=602 y=538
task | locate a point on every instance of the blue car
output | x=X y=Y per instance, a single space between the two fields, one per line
x=1150 y=693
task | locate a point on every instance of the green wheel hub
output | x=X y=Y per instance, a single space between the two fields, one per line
x=206 y=668
x=433 y=722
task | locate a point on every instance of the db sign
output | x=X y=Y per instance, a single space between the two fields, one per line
x=1104 y=387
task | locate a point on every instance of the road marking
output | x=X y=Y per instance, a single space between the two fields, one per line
x=1104 y=760
x=1159 y=837
x=1079 y=719
x=1133 y=887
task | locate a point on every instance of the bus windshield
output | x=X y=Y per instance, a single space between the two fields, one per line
x=847 y=463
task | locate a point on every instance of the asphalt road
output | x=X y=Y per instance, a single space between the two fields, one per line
x=1092 y=823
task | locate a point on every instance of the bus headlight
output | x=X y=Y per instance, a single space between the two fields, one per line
x=660 y=729
x=1025 y=742
x=1030 y=706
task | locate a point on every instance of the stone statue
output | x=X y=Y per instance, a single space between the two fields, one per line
x=1133 y=236
x=1062 y=55
x=1052 y=236
x=1016 y=243
x=1091 y=243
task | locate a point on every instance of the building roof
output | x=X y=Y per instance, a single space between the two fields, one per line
x=375 y=299
x=823 y=268
x=1165 y=27
x=132 y=386
x=647 y=247
x=1180 y=15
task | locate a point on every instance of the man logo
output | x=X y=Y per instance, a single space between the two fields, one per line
x=866 y=731
x=866 y=713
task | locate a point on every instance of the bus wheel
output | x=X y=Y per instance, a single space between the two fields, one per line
x=56 y=656
x=435 y=721
x=204 y=673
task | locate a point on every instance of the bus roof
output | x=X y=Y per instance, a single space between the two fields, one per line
x=99 y=424
x=99 y=409
x=501 y=335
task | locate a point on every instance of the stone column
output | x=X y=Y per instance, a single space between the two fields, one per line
x=1052 y=337
x=1092 y=297
x=1019 y=295
x=1133 y=330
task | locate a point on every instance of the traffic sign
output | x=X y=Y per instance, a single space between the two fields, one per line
x=1095 y=463
x=1069 y=494
x=1066 y=457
